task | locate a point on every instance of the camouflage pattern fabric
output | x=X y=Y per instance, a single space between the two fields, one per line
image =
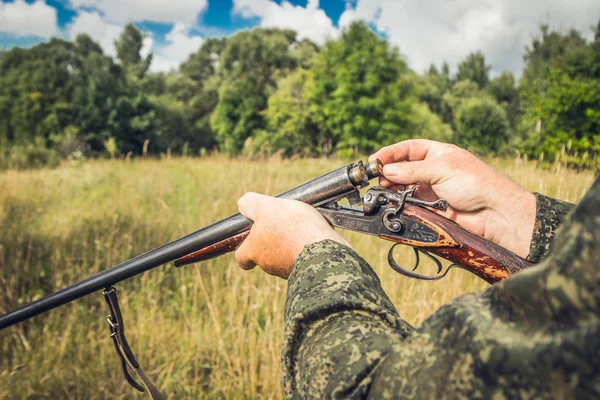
x=550 y=214
x=534 y=335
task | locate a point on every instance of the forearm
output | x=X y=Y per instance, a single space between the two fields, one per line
x=339 y=324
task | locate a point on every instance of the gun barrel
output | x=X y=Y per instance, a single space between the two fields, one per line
x=326 y=188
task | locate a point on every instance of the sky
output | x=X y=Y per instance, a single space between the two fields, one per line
x=424 y=31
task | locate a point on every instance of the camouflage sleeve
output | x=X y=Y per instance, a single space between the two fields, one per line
x=534 y=335
x=549 y=215
x=338 y=323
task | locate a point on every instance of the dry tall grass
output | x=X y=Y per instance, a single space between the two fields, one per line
x=203 y=331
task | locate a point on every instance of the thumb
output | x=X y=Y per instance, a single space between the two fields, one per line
x=409 y=172
x=243 y=254
x=251 y=204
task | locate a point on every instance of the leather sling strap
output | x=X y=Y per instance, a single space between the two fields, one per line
x=128 y=361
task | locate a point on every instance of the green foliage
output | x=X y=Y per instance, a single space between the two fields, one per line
x=107 y=104
x=132 y=120
x=35 y=91
x=291 y=127
x=474 y=68
x=29 y=155
x=560 y=92
x=460 y=93
x=70 y=142
x=432 y=87
x=237 y=114
x=481 y=126
x=505 y=91
x=184 y=108
x=128 y=48
x=111 y=147
x=362 y=96
x=205 y=62
x=249 y=66
x=305 y=53
x=263 y=91
x=429 y=125
x=176 y=125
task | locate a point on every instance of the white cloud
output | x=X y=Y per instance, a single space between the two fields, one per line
x=23 y=19
x=431 y=31
x=179 y=44
x=310 y=22
x=102 y=31
x=123 y=11
x=178 y=48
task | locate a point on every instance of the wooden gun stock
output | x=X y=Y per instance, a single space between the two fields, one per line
x=214 y=250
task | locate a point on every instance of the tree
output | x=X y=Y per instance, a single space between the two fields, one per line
x=549 y=49
x=129 y=46
x=84 y=45
x=249 y=66
x=305 y=53
x=35 y=91
x=560 y=97
x=132 y=121
x=504 y=90
x=432 y=88
x=474 y=68
x=482 y=126
x=461 y=92
x=204 y=64
x=183 y=111
x=291 y=127
x=198 y=88
x=97 y=84
x=107 y=102
x=428 y=125
x=362 y=93
x=238 y=113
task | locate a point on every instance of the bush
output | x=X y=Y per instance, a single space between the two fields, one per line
x=429 y=125
x=28 y=156
x=482 y=126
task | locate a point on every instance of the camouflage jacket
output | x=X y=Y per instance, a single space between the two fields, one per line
x=536 y=334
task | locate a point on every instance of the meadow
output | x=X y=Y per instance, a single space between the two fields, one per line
x=208 y=330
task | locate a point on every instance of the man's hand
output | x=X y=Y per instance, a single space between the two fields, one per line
x=281 y=230
x=480 y=199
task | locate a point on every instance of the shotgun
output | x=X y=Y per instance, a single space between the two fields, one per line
x=399 y=217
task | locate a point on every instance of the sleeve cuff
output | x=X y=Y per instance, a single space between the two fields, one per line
x=329 y=277
x=549 y=215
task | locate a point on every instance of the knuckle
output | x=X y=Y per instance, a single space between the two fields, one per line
x=450 y=148
x=412 y=169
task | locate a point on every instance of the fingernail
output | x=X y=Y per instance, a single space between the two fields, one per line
x=391 y=170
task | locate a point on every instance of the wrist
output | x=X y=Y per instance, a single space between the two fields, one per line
x=516 y=213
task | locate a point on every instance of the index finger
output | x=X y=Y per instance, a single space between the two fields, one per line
x=407 y=150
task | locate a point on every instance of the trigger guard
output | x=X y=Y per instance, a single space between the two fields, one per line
x=396 y=267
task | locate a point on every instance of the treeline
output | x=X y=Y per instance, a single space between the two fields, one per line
x=263 y=91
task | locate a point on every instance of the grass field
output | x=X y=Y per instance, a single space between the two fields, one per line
x=203 y=331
